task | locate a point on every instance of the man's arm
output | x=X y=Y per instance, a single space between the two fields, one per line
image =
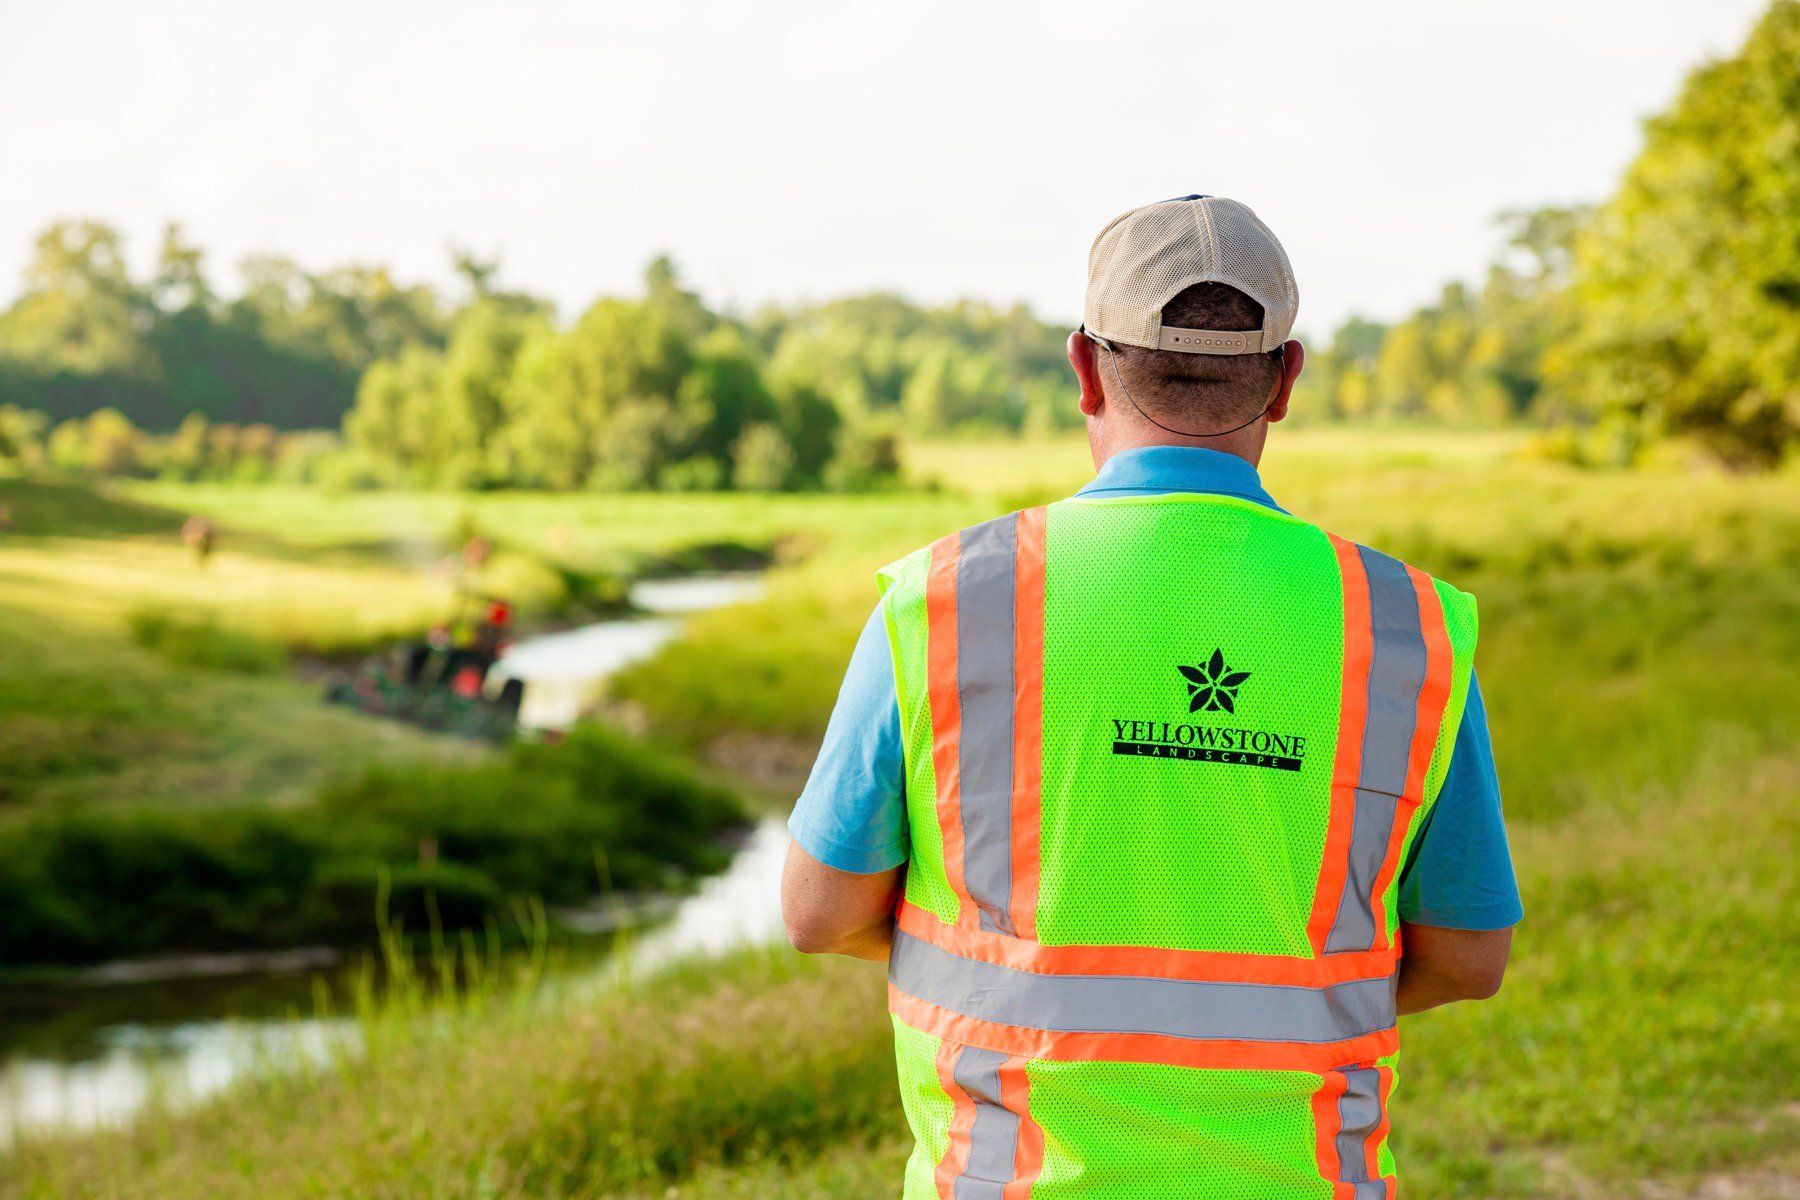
x=828 y=911
x=1458 y=896
x=1440 y=966
x=844 y=870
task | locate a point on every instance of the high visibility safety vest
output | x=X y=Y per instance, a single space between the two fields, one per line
x=1165 y=756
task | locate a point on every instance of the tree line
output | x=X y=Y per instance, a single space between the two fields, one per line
x=1672 y=309
x=109 y=374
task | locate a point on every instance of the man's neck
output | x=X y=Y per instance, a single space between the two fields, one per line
x=1246 y=444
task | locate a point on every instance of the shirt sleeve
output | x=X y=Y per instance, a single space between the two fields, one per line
x=1460 y=873
x=852 y=813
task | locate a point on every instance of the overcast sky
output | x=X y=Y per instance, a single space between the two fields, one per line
x=789 y=150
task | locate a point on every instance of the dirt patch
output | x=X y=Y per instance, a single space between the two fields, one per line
x=1775 y=1180
x=1760 y=1184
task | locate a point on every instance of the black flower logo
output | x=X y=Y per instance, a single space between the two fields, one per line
x=1212 y=687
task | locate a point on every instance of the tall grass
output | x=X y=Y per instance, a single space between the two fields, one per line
x=202 y=643
x=460 y=845
x=760 y=1058
x=1646 y=1031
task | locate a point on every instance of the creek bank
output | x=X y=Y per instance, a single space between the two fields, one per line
x=451 y=846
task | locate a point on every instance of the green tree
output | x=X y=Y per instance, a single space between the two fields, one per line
x=80 y=311
x=811 y=425
x=180 y=283
x=22 y=433
x=393 y=419
x=762 y=459
x=681 y=308
x=1405 y=370
x=1688 y=281
x=596 y=405
x=721 y=395
x=471 y=404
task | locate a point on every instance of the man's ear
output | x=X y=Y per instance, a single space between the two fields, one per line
x=1293 y=358
x=1084 y=356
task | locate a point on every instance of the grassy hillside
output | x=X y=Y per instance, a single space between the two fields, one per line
x=170 y=780
x=1638 y=636
x=90 y=716
x=130 y=672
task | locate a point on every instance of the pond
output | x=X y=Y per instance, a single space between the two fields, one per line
x=90 y=1050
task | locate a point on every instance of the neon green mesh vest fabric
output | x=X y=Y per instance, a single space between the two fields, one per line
x=1165 y=756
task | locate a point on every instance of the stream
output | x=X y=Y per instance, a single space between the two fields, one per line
x=90 y=1051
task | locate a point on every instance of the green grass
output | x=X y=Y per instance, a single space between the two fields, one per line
x=112 y=640
x=131 y=674
x=168 y=781
x=202 y=643
x=88 y=718
x=1638 y=636
x=310 y=584
x=763 y=1059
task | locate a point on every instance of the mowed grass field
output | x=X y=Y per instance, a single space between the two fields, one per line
x=1639 y=636
x=89 y=716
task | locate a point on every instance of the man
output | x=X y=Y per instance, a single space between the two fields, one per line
x=1142 y=794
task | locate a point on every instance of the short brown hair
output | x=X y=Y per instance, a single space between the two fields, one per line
x=1204 y=393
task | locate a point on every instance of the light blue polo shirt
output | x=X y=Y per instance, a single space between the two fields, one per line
x=852 y=815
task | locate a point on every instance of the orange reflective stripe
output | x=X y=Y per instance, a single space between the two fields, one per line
x=1353 y=715
x=946 y=712
x=1434 y=696
x=1210 y=1054
x=1147 y=961
x=1028 y=720
x=1028 y=1154
x=962 y=1121
x=1325 y=1130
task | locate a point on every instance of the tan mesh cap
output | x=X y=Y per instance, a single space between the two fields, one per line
x=1143 y=258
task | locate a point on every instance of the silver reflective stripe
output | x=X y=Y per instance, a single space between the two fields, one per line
x=1359 y=1113
x=994 y=1137
x=1183 y=1008
x=985 y=571
x=1396 y=674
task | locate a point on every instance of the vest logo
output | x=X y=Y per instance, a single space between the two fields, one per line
x=1212 y=687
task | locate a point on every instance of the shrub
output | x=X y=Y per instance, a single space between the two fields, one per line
x=764 y=460
x=91 y=884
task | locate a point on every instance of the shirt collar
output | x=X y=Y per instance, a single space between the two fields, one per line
x=1158 y=470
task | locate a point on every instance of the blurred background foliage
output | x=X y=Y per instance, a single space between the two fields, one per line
x=1671 y=310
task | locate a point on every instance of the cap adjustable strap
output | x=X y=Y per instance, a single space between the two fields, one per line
x=1210 y=341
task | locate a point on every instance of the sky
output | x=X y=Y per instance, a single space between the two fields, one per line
x=804 y=150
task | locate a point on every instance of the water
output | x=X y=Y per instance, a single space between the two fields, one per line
x=90 y=1052
x=563 y=671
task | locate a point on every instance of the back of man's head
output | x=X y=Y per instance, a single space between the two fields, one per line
x=1189 y=301
x=1198 y=393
